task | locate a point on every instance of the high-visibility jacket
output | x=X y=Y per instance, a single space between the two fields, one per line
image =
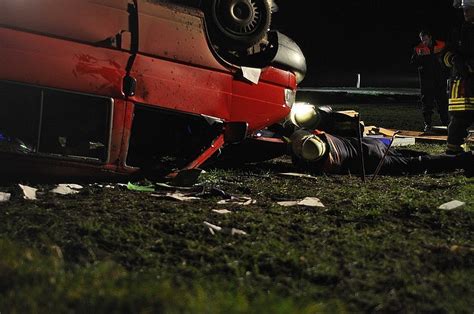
x=424 y=50
x=460 y=58
x=433 y=74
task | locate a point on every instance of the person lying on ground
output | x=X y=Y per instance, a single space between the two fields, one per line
x=319 y=152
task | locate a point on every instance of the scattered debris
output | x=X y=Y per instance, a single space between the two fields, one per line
x=29 y=193
x=108 y=186
x=288 y=203
x=177 y=196
x=407 y=137
x=307 y=201
x=212 y=227
x=373 y=130
x=297 y=175
x=240 y=200
x=311 y=202
x=403 y=141
x=222 y=211
x=451 y=205
x=4 y=197
x=423 y=137
x=251 y=74
x=65 y=189
x=232 y=231
x=140 y=188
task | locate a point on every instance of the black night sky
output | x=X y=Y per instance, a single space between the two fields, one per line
x=372 y=37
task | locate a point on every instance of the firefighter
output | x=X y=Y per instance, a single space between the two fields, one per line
x=432 y=76
x=460 y=58
x=319 y=152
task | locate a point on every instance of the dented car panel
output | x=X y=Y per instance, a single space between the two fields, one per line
x=103 y=88
x=46 y=61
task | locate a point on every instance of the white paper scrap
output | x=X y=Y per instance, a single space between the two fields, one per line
x=72 y=186
x=177 y=196
x=307 y=201
x=234 y=231
x=181 y=197
x=251 y=74
x=452 y=205
x=222 y=211
x=29 y=193
x=4 y=197
x=243 y=200
x=311 y=201
x=65 y=189
x=288 y=203
x=212 y=227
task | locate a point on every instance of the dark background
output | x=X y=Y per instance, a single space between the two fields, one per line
x=372 y=37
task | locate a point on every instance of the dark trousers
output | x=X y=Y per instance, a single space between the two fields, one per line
x=406 y=161
x=410 y=162
x=462 y=112
x=434 y=98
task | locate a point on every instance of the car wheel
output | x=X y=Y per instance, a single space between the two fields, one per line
x=237 y=24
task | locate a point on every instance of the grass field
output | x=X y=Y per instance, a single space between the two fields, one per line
x=375 y=247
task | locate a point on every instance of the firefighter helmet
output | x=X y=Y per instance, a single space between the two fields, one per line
x=463 y=3
x=307 y=145
x=304 y=115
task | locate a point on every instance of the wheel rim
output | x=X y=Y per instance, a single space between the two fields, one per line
x=240 y=17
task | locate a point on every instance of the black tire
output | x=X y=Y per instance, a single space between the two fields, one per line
x=237 y=24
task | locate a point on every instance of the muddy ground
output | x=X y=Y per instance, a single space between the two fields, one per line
x=383 y=246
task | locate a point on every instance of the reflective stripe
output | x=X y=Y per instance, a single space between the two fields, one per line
x=456 y=101
x=456 y=89
x=447 y=60
x=464 y=107
x=453 y=88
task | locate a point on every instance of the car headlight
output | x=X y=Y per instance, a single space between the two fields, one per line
x=290 y=97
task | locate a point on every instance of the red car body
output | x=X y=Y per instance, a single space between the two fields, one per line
x=74 y=72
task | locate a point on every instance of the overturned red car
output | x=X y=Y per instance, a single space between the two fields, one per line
x=111 y=88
